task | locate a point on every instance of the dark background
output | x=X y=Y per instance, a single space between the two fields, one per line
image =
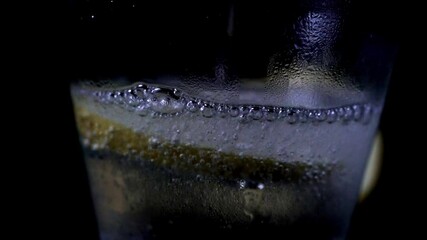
x=62 y=200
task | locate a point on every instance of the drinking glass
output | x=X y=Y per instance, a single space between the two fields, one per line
x=210 y=119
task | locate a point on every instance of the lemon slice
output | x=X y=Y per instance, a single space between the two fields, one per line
x=101 y=134
x=373 y=167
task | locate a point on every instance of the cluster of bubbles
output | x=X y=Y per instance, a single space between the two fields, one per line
x=145 y=100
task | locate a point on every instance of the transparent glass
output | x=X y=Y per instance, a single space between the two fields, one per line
x=227 y=118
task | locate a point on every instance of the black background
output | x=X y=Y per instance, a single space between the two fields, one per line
x=56 y=197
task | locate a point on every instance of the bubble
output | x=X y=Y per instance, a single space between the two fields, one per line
x=243 y=110
x=199 y=177
x=292 y=116
x=142 y=110
x=244 y=119
x=141 y=87
x=145 y=99
x=340 y=113
x=177 y=94
x=357 y=109
x=153 y=142
x=165 y=104
x=117 y=97
x=234 y=111
x=222 y=110
x=207 y=110
x=256 y=113
x=331 y=115
x=271 y=113
x=321 y=115
x=86 y=142
x=159 y=104
x=348 y=113
x=95 y=146
x=235 y=137
x=303 y=115
x=130 y=97
x=282 y=113
x=138 y=95
x=242 y=184
x=367 y=113
x=192 y=106
x=311 y=115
